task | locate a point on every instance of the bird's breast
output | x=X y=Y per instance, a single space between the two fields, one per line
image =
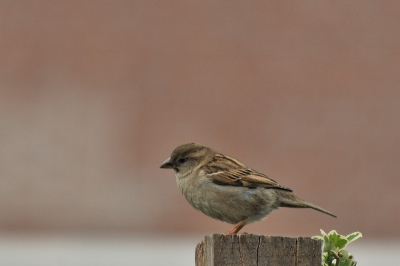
x=231 y=204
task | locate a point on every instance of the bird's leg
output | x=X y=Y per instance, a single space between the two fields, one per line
x=236 y=228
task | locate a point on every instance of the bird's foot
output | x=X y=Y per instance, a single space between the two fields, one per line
x=236 y=228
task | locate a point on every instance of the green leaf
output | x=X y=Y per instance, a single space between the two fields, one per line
x=338 y=240
x=353 y=236
x=345 y=254
x=333 y=252
x=346 y=263
x=328 y=244
x=325 y=256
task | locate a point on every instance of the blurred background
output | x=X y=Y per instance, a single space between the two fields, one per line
x=95 y=95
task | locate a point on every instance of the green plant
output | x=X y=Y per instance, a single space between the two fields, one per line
x=333 y=252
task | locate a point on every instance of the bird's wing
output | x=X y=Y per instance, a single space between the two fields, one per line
x=224 y=170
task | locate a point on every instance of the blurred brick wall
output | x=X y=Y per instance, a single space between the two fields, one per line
x=94 y=95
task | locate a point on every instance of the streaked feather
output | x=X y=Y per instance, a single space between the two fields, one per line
x=225 y=170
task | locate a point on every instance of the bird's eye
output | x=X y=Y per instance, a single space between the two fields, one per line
x=182 y=160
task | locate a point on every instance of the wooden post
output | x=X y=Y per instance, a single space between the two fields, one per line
x=249 y=249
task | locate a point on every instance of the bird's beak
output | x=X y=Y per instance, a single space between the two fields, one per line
x=167 y=164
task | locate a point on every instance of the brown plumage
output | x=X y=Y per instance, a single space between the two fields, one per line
x=225 y=189
x=227 y=171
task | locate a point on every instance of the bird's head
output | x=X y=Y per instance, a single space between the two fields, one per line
x=187 y=158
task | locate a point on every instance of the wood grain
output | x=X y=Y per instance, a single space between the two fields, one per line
x=249 y=249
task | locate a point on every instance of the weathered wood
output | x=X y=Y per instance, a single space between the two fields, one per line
x=309 y=251
x=249 y=249
x=274 y=251
x=200 y=254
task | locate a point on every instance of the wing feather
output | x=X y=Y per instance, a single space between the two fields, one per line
x=224 y=170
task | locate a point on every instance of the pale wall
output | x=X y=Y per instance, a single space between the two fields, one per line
x=94 y=95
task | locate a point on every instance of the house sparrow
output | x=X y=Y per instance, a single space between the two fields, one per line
x=225 y=189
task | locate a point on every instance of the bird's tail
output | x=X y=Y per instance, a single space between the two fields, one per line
x=288 y=199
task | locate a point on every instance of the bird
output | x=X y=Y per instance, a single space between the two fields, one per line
x=227 y=190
